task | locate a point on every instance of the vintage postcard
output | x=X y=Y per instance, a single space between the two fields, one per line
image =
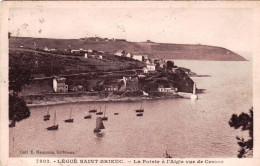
x=130 y=83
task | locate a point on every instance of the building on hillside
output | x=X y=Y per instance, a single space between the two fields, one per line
x=45 y=49
x=85 y=55
x=120 y=53
x=132 y=84
x=52 y=49
x=147 y=62
x=145 y=58
x=59 y=85
x=156 y=61
x=75 y=51
x=110 y=88
x=138 y=57
x=164 y=88
x=100 y=57
x=128 y=55
x=149 y=68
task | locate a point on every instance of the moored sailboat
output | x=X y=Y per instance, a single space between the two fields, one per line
x=88 y=116
x=141 y=109
x=139 y=114
x=47 y=116
x=105 y=117
x=55 y=126
x=70 y=120
x=100 y=112
x=99 y=125
x=93 y=110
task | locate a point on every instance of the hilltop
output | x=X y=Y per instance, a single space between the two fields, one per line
x=152 y=49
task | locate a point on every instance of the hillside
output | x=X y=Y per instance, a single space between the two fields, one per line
x=153 y=50
x=47 y=64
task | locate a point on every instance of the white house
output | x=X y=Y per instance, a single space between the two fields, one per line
x=59 y=84
x=138 y=57
x=120 y=53
x=72 y=51
x=161 y=88
x=150 y=67
x=100 y=57
x=46 y=49
x=86 y=55
x=128 y=55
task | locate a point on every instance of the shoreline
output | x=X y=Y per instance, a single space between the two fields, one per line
x=102 y=100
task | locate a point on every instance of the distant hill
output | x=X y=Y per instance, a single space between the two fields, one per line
x=153 y=50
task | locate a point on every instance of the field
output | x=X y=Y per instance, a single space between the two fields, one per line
x=153 y=50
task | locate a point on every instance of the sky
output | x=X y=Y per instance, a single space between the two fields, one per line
x=224 y=27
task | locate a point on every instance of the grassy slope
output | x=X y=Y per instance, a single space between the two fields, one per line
x=52 y=64
x=160 y=50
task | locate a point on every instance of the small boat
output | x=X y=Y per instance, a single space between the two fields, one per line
x=70 y=120
x=115 y=113
x=12 y=124
x=88 y=116
x=99 y=125
x=139 y=114
x=55 y=126
x=93 y=110
x=104 y=117
x=100 y=112
x=166 y=155
x=48 y=114
x=141 y=109
x=46 y=118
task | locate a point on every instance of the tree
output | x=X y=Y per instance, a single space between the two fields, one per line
x=245 y=121
x=17 y=106
x=18 y=77
x=169 y=65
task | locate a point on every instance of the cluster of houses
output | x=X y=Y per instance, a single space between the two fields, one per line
x=141 y=58
x=131 y=84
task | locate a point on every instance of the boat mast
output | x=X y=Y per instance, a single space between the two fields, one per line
x=70 y=112
x=55 y=118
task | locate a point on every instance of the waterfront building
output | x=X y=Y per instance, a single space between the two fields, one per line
x=132 y=84
x=59 y=85
x=110 y=88
x=163 y=88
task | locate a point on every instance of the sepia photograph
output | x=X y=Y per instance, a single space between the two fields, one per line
x=147 y=80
